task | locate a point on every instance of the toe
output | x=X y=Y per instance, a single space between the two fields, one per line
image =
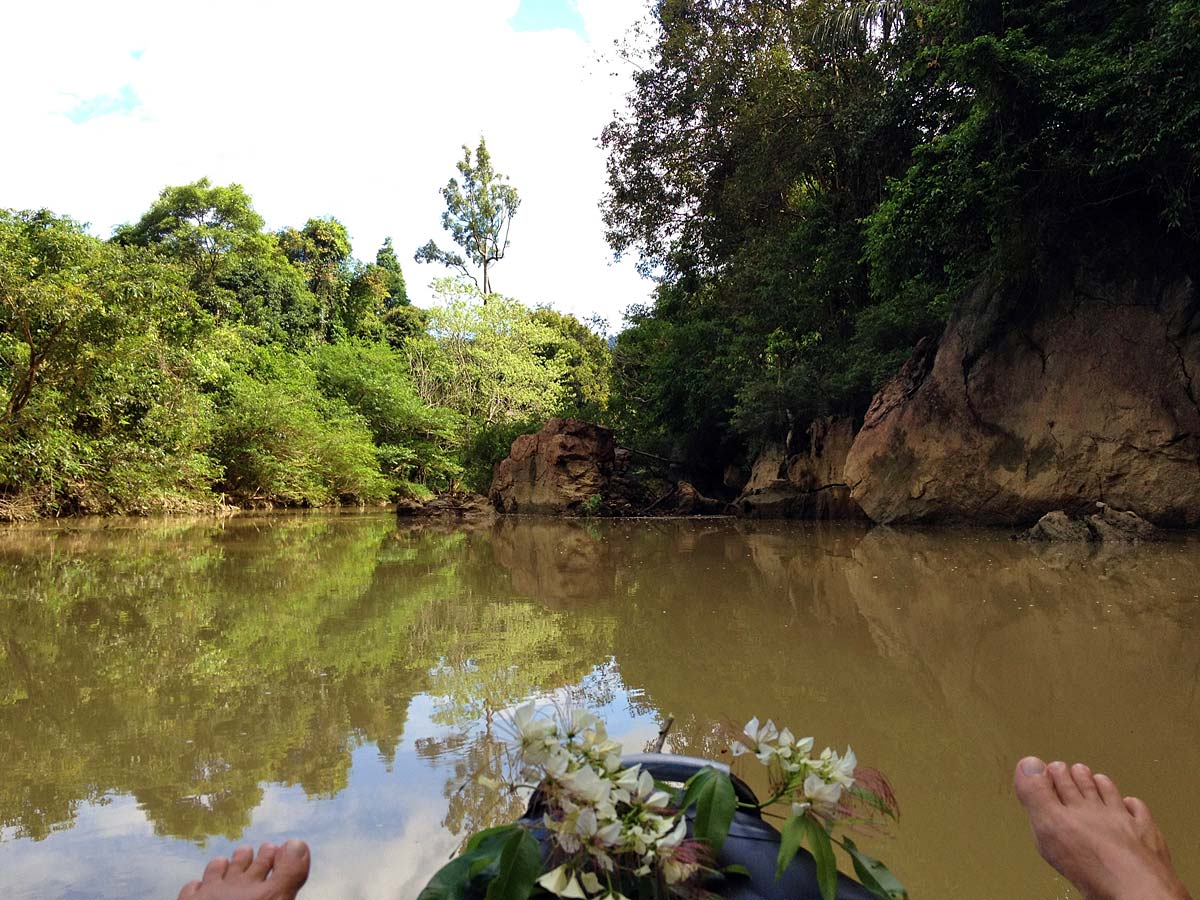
x=292 y=862
x=1147 y=830
x=215 y=870
x=1064 y=784
x=261 y=867
x=189 y=890
x=1139 y=810
x=1085 y=781
x=1108 y=791
x=1033 y=785
x=241 y=858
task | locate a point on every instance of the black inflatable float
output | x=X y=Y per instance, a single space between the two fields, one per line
x=752 y=842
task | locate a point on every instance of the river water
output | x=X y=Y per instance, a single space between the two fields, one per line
x=171 y=689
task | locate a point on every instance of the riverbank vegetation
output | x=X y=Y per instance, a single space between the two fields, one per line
x=815 y=186
x=818 y=184
x=196 y=359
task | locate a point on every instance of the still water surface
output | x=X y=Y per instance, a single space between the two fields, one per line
x=169 y=690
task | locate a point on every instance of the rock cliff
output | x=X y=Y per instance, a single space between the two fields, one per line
x=1050 y=398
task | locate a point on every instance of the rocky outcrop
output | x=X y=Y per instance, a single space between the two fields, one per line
x=564 y=469
x=688 y=501
x=808 y=483
x=1047 y=398
x=447 y=506
x=1111 y=525
x=573 y=468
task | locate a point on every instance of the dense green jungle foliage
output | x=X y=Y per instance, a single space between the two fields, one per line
x=195 y=359
x=816 y=183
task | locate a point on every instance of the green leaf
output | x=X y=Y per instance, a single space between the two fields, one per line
x=694 y=785
x=449 y=882
x=736 y=869
x=495 y=838
x=789 y=844
x=520 y=865
x=822 y=851
x=452 y=880
x=715 y=805
x=874 y=875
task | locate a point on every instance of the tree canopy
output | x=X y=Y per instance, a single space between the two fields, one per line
x=817 y=183
x=196 y=359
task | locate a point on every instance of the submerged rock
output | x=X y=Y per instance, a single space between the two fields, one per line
x=1058 y=526
x=1109 y=526
x=460 y=506
x=1039 y=399
x=1117 y=525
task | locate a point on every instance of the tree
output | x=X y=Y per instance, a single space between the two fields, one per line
x=385 y=259
x=488 y=362
x=321 y=250
x=201 y=226
x=756 y=139
x=478 y=215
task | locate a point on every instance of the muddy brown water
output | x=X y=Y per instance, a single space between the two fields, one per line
x=171 y=689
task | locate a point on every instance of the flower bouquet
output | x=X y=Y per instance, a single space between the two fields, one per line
x=600 y=830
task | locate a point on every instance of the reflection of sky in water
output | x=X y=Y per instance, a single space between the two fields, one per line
x=380 y=838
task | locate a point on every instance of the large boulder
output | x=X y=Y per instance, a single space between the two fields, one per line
x=564 y=469
x=1048 y=398
x=808 y=482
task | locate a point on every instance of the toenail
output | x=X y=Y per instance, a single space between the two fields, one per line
x=1032 y=766
x=294 y=848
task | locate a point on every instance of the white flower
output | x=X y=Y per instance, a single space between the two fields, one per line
x=579 y=720
x=763 y=735
x=555 y=762
x=530 y=726
x=585 y=823
x=587 y=786
x=590 y=882
x=562 y=883
x=672 y=840
x=799 y=809
x=823 y=795
x=738 y=748
x=843 y=769
x=609 y=835
x=625 y=783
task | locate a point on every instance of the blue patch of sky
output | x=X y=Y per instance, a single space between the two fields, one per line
x=125 y=101
x=136 y=54
x=546 y=15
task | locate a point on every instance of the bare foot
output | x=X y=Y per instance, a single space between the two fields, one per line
x=277 y=873
x=1106 y=845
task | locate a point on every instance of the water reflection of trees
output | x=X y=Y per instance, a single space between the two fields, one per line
x=187 y=665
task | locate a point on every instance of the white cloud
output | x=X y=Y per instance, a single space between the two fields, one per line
x=358 y=114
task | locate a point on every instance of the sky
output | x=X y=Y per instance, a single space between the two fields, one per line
x=357 y=110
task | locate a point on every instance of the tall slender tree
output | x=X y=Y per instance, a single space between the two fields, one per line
x=479 y=212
